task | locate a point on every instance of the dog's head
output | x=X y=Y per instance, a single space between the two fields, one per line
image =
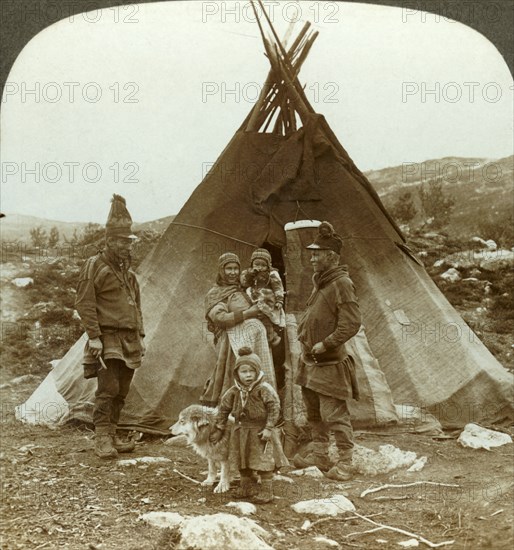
x=191 y=420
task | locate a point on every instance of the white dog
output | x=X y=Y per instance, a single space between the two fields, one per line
x=197 y=422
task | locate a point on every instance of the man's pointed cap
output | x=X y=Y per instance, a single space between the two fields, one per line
x=119 y=221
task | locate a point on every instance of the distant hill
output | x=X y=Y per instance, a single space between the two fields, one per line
x=159 y=225
x=17 y=226
x=482 y=188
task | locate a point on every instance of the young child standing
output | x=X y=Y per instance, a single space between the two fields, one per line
x=255 y=443
x=264 y=286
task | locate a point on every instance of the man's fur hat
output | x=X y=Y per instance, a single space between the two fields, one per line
x=327 y=239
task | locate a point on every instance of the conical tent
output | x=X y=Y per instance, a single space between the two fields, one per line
x=284 y=163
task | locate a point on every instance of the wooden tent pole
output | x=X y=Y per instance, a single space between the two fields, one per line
x=275 y=103
x=301 y=105
x=267 y=83
x=270 y=83
x=295 y=97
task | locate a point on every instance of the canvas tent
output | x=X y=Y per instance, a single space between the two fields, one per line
x=284 y=164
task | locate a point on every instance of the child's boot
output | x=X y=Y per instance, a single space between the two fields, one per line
x=265 y=493
x=246 y=488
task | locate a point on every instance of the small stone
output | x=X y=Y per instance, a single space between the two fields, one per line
x=410 y=543
x=327 y=541
x=330 y=506
x=245 y=508
x=311 y=471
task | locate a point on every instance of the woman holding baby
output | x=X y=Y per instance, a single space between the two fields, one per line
x=235 y=323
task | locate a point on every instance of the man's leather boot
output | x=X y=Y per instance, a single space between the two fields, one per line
x=317 y=456
x=104 y=446
x=122 y=445
x=342 y=469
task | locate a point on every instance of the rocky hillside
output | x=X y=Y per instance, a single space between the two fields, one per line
x=482 y=188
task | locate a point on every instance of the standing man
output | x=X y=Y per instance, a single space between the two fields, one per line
x=108 y=302
x=326 y=372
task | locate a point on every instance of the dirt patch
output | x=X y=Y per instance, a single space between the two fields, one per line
x=57 y=494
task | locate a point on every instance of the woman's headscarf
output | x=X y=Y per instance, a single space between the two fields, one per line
x=222 y=289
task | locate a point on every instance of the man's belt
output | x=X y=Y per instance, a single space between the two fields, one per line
x=329 y=357
x=114 y=330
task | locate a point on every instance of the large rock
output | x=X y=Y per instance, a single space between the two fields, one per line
x=222 y=531
x=497 y=259
x=476 y=437
x=489 y=244
x=388 y=458
x=451 y=275
x=489 y=259
x=211 y=532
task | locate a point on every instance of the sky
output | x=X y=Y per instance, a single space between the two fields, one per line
x=140 y=100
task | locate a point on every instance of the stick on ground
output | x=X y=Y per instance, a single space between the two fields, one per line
x=187 y=477
x=331 y=518
x=401 y=485
x=402 y=531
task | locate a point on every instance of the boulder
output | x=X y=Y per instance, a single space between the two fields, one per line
x=388 y=458
x=451 y=275
x=476 y=437
x=497 y=259
x=211 y=532
x=23 y=282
